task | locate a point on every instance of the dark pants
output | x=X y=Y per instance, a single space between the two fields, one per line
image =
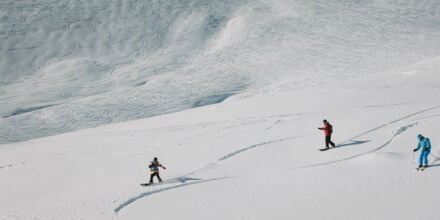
x=329 y=141
x=153 y=175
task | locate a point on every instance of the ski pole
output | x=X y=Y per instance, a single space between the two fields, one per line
x=412 y=160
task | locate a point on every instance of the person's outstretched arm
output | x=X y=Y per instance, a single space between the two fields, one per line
x=163 y=167
x=418 y=146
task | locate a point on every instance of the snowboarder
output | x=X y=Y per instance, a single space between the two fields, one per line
x=154 y=168
x=328 y=130
x=425 y=146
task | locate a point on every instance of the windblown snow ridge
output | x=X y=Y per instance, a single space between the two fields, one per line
x=94 y=62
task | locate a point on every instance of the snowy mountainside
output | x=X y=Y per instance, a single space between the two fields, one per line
x=249 y=158
x=70 y=65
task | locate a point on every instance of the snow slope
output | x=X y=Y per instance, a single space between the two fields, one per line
x=69 y=65
x=251 y=157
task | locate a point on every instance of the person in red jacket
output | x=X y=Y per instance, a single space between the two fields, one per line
x=328 y=130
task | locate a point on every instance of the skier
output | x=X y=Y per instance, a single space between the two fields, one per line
x=425 y=146
x=328 y=130
x=154 y=168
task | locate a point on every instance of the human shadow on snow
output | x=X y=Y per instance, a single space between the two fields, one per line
x=435 y=165
x=351 y=143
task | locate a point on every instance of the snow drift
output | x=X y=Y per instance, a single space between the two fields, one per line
x=69 y=65
x=254 y=157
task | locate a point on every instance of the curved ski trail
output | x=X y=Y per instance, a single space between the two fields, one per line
x=182 y=179
x=396 y=133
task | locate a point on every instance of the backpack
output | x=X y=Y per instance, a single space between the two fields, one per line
x=427 y=144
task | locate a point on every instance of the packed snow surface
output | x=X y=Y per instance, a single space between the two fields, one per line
x=250 y=157
x=263 y=75
x=69 y=65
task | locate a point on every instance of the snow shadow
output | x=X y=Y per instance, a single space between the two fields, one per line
x=351 y=143
x=435 y=162
x=212 y=99
x=20 y=111
x=396 y=133
x=181 y=179
x=435 y=165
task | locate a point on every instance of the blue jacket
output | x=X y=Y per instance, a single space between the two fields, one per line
x=424 y=144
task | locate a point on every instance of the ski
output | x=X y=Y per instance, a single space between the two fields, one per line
x=152 y=184
x=324 y=149
x=147 y=184
x=421 y=168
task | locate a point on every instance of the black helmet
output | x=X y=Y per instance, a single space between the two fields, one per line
x=155 y=159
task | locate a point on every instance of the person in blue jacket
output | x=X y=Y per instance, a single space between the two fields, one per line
x=425 y=146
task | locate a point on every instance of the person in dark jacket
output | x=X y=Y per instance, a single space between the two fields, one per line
x=328 y=130
x=154 y=168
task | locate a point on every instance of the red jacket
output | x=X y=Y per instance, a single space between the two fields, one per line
x=327 y=129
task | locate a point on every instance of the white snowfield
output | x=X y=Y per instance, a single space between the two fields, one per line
x=251 y=157
x=78 y=80
x=68 y=65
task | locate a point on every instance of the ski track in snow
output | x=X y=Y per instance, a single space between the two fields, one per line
x=11 y=165
x=396 y=133
x=242 y=150
x=234 y=124
x=427 y=117
x=399 y=131
x=414 y=114
x=434 y=160
x=184 y=178
x=258 y=145
x=388 y=105
x=149 y=193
